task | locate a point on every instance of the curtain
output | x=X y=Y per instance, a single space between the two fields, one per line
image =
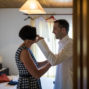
x=44 y=29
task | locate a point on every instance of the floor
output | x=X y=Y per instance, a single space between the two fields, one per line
x=47 y=83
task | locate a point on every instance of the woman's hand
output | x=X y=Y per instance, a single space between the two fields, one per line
x=38 y=38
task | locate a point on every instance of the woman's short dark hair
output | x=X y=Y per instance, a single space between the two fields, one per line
x=63 y=23
x=27 y=32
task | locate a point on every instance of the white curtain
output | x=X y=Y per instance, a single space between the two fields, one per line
x=44 y=29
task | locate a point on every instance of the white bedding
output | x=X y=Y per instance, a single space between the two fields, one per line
x=6 y=86
x=47 y=83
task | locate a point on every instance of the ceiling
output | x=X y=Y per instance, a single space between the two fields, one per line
x=44 y=3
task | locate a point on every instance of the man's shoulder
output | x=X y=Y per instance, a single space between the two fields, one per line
x=70 y=41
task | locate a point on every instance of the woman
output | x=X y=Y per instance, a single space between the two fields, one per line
x=29 y=70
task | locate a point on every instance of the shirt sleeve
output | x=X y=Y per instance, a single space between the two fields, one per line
x=55 y=59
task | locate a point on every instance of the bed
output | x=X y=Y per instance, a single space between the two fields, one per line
x=47 y=83
x=5 y=85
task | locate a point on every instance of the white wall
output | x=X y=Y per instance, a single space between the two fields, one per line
x=11 y=21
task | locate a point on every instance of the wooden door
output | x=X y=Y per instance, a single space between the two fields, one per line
x=81 y=44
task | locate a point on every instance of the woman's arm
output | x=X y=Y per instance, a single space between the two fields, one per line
x=31 y=67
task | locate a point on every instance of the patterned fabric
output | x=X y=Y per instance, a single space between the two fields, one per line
x=26 y=80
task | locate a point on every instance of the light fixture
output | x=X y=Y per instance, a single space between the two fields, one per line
x=32 y=7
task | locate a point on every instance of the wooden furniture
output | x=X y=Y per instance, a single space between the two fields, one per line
x=5 y=71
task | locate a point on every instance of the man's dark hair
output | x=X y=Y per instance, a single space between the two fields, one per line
x=27 y=32
x=63 y=23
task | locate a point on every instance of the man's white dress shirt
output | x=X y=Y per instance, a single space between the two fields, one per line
x=63 y=60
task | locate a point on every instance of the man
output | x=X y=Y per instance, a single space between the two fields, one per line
x=63 y=60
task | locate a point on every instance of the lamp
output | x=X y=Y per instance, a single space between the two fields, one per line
x=32 y=7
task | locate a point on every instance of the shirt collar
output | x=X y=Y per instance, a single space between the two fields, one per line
x=64 y=40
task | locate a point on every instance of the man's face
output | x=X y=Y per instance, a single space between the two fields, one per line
x=57 y=31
